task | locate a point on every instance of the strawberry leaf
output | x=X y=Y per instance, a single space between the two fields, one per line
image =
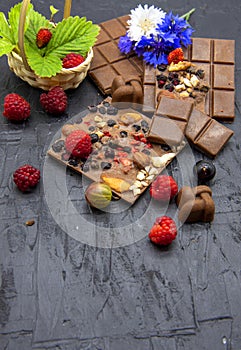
x=73 y=34
x=5 y=31
x=6 y=46
x=43 y=66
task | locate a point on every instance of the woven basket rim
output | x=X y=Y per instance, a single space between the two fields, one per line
x=76 y=69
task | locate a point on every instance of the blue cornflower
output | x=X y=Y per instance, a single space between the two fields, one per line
x=125 y=44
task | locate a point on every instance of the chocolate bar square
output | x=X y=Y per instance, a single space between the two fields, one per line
x=164 y=130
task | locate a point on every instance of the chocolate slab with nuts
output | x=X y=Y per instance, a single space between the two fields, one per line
x=170 y=121
x=121 y=155
x=108 y=61
x=216 y=57
x=207 y=134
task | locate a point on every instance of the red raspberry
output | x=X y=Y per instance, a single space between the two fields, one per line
x=43 y=37
x=55 y=101
x=26 y=177
x=164 y=231
x=16 y=108
x=78 y=143
x=164 y=188
x=72 y=60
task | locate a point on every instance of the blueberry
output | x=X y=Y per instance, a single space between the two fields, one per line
x=146 y=151
x=105 y=165
x=136 y=127
x=144 y=124
x=112 y=110
x=106 y=104
x=123 y=133
x=85 y=167
x=58 y=146
x=205 y=170
x=176 y=82
x=111 y=122
x=73 y=162
x=161 y=77
x=92 y=109
x=91 y=128
x=161 y=67
x=78 y=120
x=126 y=149
x=161 y=83
x=109 y=153
x=165 y=147
x=145 y=130
x=94 y=138
x=102 y=110
x=169 y=87
x=113 y=145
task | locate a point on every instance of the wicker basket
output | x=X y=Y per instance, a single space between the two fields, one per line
x=66 y=78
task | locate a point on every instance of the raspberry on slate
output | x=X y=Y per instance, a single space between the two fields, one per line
x=164 y=231
x=78 y=144
x=16 y=108
x=26 y=177
x=43 y=37
x=55 y=101
x=72 y=60
x=164 y=188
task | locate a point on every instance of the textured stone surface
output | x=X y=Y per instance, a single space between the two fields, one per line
x=57 y=293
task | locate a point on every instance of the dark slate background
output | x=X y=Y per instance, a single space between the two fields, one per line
x=58 y=293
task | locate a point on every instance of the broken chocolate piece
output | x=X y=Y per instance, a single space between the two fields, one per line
x=207 y=134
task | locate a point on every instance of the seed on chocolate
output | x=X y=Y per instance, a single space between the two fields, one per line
x=200 y=73
x=92 y=109
x=109 y=153
x=105 y=165
x=111 y=122
x=161 y=67
x=91 y=128
x=94 y=164
x=123 y=133
x=102 y=110
x=126 y=149
x=58 y=146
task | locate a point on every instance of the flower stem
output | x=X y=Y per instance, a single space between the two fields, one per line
x=187 y=15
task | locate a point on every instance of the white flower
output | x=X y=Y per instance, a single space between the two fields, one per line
x=143 y=21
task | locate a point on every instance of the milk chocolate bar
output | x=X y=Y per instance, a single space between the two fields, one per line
x=207 y=134
x=170 y=121
x=216 y=58
x=108 y=61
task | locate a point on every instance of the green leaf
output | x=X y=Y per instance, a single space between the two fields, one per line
x=53 y=11
x=5 y=46
x=5 y=31
x=73 y=34
x=14 y=17
x=46 y=66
